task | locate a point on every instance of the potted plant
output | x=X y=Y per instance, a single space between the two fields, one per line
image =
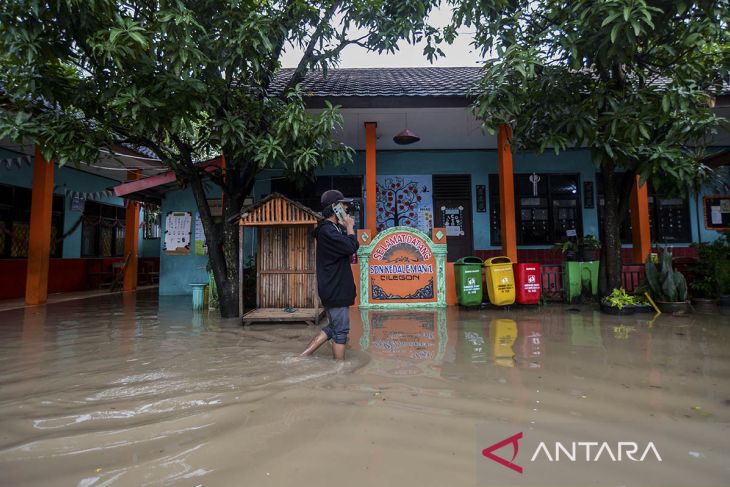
x=667 y=287
x=619 y=302
x=569 y=248
x=588 y=246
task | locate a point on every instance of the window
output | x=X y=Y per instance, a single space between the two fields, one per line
x=669 y=220
x=547 y=206
x=151 y=224
x=102 y=230
x=15 y=206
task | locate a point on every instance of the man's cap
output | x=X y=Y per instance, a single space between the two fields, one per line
x=331 y=197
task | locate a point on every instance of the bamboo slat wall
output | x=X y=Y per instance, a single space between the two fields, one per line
x=285 y=257
x=286 y=267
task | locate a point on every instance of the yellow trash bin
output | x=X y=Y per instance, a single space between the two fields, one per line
x=500 y=281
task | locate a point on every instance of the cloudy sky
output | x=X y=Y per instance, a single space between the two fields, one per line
x=460 y=53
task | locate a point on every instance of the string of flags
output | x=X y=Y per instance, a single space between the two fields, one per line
x=15 y=162
x=90 y=195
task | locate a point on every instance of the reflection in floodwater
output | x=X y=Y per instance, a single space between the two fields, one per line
x=136 y=390
x=405 y=343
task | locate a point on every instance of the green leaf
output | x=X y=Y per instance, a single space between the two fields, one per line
x=614 y=32
x=610 y=19
x=644 y=131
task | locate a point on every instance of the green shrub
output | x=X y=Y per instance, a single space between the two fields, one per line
x=619 y=298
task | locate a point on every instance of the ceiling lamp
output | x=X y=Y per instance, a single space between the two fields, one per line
x=405 y=136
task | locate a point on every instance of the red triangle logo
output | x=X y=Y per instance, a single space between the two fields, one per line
x=514 y=440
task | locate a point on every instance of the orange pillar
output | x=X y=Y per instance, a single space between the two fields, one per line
x=370 y=172
x=39 y=242
x=131 y=238
x=506 y=193
x=640 y=231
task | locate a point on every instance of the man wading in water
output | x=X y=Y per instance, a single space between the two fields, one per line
x=336 y=242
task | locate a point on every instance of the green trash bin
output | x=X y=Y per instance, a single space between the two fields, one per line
x=580 y=278
x=468 y=274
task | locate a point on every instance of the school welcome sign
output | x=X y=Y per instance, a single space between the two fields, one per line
x=401 y=267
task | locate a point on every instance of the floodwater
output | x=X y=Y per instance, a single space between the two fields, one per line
x=136 y=390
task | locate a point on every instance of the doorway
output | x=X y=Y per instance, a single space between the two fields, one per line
x=452 y=211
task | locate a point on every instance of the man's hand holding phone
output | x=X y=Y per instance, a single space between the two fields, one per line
x=344 y=218
x=349 y=224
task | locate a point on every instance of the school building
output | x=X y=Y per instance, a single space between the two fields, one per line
x=449 y=173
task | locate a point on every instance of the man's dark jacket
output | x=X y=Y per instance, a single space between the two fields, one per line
x=334 y=275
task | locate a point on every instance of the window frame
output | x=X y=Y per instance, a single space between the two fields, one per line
x=551 y=197
x=654 y=216
x=103 y=212
x=16 y=208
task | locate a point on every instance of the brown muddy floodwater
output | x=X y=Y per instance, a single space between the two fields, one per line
x=138 y=390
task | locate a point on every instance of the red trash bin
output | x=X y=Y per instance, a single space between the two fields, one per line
x=528 y=283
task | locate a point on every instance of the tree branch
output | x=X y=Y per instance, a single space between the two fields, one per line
x=308 y=56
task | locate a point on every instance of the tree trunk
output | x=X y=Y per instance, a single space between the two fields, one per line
x=228 y=294
x=610 y=264
x=223 y=244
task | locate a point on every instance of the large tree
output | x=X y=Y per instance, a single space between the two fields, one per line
x=188 y=79
x=631 y=80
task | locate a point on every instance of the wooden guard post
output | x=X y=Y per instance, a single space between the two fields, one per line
x=286 y=282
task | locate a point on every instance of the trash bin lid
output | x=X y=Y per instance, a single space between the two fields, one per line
x=469 y=260
x=502 y=259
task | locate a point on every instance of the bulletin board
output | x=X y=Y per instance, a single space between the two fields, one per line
x=717 y=213
x=177 y=232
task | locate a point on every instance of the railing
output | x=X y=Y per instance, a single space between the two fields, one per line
x=631 y=277
x=552 y=280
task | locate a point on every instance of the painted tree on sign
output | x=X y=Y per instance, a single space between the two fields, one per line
x=397 y=203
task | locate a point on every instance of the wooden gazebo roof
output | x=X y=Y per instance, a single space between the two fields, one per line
x=277 y=209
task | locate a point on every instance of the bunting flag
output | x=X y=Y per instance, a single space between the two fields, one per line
x=15 y=162
x=91 y=195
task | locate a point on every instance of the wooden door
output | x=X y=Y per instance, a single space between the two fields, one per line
x=452 y=210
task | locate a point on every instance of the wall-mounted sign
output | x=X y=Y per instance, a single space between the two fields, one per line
x=77 y=203
x=481 y=198
x=402 y=267
x=201 y=248
x=177 y=232
x=453 y=220
x=717 y=212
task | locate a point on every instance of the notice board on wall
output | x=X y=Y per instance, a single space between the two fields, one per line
x=717 y=212
x=177 y=232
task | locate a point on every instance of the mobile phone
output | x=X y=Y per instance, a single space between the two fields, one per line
x=340 y=212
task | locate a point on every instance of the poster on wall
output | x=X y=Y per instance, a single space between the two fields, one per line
x=201 y=248
x=453 y=220
x=177 y=232
x=717 y=212
x=404 y=201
